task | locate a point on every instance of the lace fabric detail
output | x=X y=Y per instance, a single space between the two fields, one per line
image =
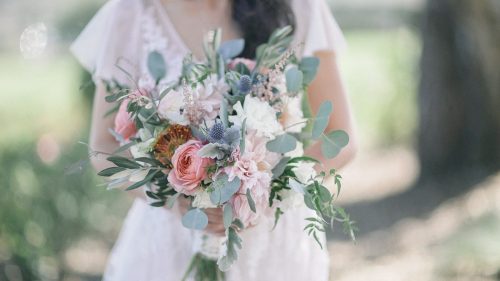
x=153 y=40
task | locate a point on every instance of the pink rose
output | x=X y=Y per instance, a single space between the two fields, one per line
x=188 y=168
x=124 y=125
x=250 y=64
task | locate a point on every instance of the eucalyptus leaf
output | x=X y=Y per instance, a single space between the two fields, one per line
x=280 y=167
x=309 y=67
x=223 y=113
x=231 y=48
x=294 y=79
x=223 y=189
x=282 y=144
x=195 y=219
x=157 y=66
x=333 y=143
x=227 y=215
x=322 y=119
x=251 y=202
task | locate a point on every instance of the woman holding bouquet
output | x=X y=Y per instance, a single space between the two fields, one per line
x=119 y=38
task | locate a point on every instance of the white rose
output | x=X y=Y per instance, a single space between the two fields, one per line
x=292 y=117
x=305 y=172
x=281 y=83
x=142 y=149
x=202 y=200
x=170 y=108
x=290 y=200
x=259 y=115
x=297 y=152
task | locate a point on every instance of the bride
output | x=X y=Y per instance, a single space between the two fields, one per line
x=123 y=32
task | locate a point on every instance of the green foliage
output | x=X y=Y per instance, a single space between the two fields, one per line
x=309 y=67
x=250 y=200
x=233 y=243
x=268 y=54
x=294 y=80
x=322 y=119
x=282 y=144
x=157 y=66
x=203 y=269
x=227 y=215
x=231 y=48
x=195 y=219
x=333 y=142
x=223 y=189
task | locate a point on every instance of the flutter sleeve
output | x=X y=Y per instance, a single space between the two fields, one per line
x=111 y=38
x=316 y=27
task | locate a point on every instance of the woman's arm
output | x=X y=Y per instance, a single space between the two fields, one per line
x=328 y=86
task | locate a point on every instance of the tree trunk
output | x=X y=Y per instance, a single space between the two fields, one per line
x=459 y=95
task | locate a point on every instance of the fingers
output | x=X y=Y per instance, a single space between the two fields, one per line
x=215 y=221
x=216 y=228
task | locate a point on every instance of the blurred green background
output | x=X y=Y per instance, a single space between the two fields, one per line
x=60 y=226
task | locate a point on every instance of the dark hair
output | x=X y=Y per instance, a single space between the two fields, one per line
x=257 y=19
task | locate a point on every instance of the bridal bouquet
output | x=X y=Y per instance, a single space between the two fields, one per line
x=227 y=134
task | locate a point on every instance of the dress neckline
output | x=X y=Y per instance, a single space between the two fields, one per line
x=170 y=28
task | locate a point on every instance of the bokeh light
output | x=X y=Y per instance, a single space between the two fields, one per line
x=33 y=41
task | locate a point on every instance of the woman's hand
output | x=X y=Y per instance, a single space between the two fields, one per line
x=215 y=222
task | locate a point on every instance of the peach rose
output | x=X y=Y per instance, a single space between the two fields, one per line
x=124 y=125
x=250 y=64
x=188 y=168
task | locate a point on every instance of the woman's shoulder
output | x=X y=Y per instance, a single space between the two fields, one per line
x=316 y=27
x=113 y=33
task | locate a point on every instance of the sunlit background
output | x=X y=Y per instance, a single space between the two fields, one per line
x=441 y=224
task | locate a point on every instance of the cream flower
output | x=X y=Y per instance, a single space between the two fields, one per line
x=292 y=117
x=259 y=115
x=142 y=149
x=297 y=152
x=170 y=108
x=305 y=172
x=202 y=200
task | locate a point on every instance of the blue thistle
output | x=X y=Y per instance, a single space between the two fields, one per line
x=245 y=84
x=216 y=133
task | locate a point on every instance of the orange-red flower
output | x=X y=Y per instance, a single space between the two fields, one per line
x=169 y=140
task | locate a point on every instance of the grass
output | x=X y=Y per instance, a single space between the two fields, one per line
x=40 y=96
x=380 y=73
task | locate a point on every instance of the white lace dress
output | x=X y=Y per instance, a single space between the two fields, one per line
x=153 y=245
